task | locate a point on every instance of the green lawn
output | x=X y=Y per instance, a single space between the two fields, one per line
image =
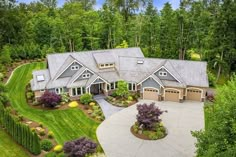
x=9 y=148
x=66 y=124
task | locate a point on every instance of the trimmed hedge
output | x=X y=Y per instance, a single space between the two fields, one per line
x=20 y=132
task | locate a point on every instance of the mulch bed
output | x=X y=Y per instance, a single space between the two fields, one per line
x=144 y=137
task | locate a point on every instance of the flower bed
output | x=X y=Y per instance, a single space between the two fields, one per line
x=122 y=102
x=149 y=125
x=158 y=132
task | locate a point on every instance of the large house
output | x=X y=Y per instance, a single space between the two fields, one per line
x=97 y=72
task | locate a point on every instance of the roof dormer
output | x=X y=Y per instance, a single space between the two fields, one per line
x=104 y=60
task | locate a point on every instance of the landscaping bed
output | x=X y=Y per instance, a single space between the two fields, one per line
x=66 y=124
x=148 y=125
x=122 y=101
x=158 y=132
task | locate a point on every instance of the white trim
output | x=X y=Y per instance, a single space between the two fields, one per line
x=148 y=78
x=60 y=90
x=97 y=83
x=167 y=71
x=81 y=74
x=186 y=93
x=68 y=67
x=86 y=75
x=171 y=89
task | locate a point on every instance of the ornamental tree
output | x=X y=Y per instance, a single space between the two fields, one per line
x=50 y=99
x=148 y=115
x=80 y=147
x=122 y=89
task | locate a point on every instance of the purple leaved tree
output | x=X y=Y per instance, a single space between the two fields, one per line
x=148 y=115
x=50 y=99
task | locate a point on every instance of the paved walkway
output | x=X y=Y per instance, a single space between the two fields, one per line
x=117 y=141
x=107 y=108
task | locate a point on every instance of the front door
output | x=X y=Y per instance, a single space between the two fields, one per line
x=95 y=89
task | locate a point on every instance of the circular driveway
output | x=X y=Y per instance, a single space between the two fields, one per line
x=117 y=141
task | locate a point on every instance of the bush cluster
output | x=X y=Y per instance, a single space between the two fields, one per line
x=86 y=98
x=50 y=99
x=46 y=145
x=80 y=147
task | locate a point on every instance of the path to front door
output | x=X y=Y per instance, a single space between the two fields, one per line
x=107 y=108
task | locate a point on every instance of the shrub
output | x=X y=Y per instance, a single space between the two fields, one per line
x=114 y=94
x=80 y=147
x=58 y=148
x=73 y=104
x=65 y=98
x=46 y=145
x=50 y=134
x=51 y=154
x=20 y=117
x=32 y=129
x=130 y=98
x=42 y=132
x=89 y=111
x=50 y=99
x=148 y=115
x=86 y=98
x=92 y=103
x=29 y=95
x=40 y=124
x=122 y=89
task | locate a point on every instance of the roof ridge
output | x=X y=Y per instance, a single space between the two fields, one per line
x=91 y=51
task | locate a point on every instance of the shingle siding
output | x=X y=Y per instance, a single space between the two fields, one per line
x=68 y=72
x=169 y=77
x=150 y=82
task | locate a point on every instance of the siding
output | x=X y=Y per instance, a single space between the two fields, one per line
x=168 y=77
x=81 y=76
x=68 y=72
x=150 y=83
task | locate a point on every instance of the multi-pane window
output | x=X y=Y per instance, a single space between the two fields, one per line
x=132 y=86
x=112 y=85
x=75 y=67
x=162 y=73
x=58 y=90
x=78 y=91
x=87 y=75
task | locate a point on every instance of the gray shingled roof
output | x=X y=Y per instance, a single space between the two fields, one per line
x=40 y=85
x=101 y=59
x=189 y=73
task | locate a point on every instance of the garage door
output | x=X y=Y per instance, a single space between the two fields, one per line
x=151 y=94
x=172 y=95
x=194 y=94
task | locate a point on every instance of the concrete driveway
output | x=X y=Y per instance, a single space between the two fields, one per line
x=117 y=141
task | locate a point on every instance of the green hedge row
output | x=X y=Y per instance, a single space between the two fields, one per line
x=20 y=132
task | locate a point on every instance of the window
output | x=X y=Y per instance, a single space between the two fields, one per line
x=132 y=86
x=58 y=90
x=75 y=67
x=116 y=85
x=112 y=85
x=107 y=65
x=78 y=91
x=87 y=75
x=108 y=87
x=40 y=78
x=162 y=73
x=42 y=90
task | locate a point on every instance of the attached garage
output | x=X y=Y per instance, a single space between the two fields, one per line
x=172 y=95
x=150 y=93
x=194 y=94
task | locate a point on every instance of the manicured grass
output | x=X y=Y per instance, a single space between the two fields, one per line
x=66 y=124
x=9 y=148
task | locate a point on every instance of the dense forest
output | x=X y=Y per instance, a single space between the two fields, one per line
x=203 y=27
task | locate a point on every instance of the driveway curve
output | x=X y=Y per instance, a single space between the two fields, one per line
x=117 y=141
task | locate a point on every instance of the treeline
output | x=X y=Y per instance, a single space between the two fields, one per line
x=19 y=132
x=203 y=27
